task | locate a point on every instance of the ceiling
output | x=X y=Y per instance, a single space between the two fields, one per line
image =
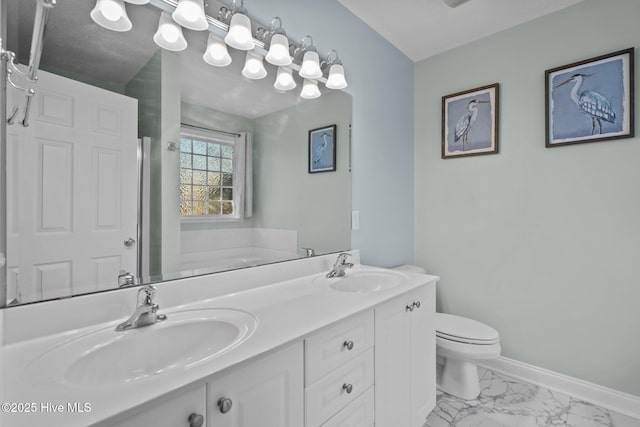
x=423 y=28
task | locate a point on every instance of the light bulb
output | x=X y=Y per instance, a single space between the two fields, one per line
x=239 y=35
x=169 y=35
x=216 y=53
x=310 y=68
x=279 y=51
x=310 y=89
x=284 y=79
x=254 y=67
x=111 y=14
x=190 y=14
x=336 y=78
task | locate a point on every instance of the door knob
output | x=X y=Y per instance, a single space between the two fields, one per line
x=348 y=345
x=224 y=404
x=195 y=420
x=347 y=387
x=129 y=242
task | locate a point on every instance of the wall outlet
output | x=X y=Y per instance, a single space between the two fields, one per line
x=355 y=220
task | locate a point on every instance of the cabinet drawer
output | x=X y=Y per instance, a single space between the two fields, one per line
x=359 y=413
x=335 y=391
x=335 y=345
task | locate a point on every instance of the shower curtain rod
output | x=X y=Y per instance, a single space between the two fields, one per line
x=209 y=129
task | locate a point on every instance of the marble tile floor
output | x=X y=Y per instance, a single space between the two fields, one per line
x=507 y=402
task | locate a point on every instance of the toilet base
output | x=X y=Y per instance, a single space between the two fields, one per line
x=460 y=379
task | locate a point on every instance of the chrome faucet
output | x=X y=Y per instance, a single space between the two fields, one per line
x=340 y=266
x=146 y=312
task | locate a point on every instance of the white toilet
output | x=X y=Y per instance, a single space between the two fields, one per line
x=460 y=344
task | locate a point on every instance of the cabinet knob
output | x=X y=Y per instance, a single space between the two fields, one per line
x=408 y=308
x=416 y=304
x=348 y=345
x=196 y=420
x=224 y=404
x=347 y=387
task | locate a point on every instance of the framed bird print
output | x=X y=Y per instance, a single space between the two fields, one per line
x=322 y=149
x=590 y=100
x=470 y=122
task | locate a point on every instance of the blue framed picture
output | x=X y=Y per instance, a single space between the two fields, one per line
x=322 y=149
x=470 y=122
x=590 y=100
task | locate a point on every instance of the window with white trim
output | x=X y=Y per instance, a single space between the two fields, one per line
x=211 y=175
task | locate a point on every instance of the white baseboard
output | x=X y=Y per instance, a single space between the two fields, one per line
x=624 y=403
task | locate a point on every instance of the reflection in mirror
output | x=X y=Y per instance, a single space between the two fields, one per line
x=142 y=165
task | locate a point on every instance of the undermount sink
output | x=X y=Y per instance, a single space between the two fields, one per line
x=105 y=356
x=364 y=281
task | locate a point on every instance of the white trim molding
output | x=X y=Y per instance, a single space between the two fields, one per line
x=624 y=403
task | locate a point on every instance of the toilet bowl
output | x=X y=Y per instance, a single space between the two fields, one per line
x=460 y=344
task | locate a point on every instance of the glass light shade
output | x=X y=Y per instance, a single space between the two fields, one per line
x=137 y=1
x=279 y=51
x=310 y=89
x=239 y=35
x=190 y=14
x=169 y=35
x=111 y=14
x=284 y=80
x=216 y=53
x=254 y=67
x=336 y=78
x=310 y=68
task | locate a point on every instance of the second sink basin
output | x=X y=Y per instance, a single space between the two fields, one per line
x=103 y=357
x=366 y=280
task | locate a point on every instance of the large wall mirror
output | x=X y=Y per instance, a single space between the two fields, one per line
x=142 y=165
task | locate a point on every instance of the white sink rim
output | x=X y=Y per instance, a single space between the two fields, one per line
x=52 y=366
x=355 y=280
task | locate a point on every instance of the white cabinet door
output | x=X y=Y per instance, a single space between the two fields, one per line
x=423 y=355
x=392 y=353
x=405 y=359
x=171 y=412
x=265 y=392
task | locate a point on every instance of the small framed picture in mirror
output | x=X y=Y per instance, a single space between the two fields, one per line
x=322 y=149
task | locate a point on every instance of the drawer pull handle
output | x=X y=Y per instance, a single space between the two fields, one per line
x=347 y=387
x=224 y=404
x=416 y=304
x=195 y=420
x=348 y=345
x=408 y=308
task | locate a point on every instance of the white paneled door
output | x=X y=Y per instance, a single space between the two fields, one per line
x=72 y=190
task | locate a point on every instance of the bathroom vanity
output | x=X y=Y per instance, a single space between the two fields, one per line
x=309 y=351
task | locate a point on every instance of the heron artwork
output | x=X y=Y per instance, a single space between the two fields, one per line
x=320 y=149
x=466 y=121
x=595 y=105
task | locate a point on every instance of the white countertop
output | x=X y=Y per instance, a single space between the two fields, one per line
x=286 y=311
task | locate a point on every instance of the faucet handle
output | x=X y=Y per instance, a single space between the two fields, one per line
x=342 y=258
x=146 y=294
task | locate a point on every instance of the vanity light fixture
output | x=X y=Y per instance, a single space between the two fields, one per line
x=169 y=35
x=190 y=14
x=279 y=46
x=310 y=68
x=254 y=67
x=284 y=79
x=239 y=35
x=112 y=15
x=216 y=53
x=310 y=89
x=336 y=79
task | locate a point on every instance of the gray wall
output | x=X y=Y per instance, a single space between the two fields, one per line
x=286 y=196
x=381 y=81
x=540 y=243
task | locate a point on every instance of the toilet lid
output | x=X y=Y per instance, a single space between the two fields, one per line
x=461 y=329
